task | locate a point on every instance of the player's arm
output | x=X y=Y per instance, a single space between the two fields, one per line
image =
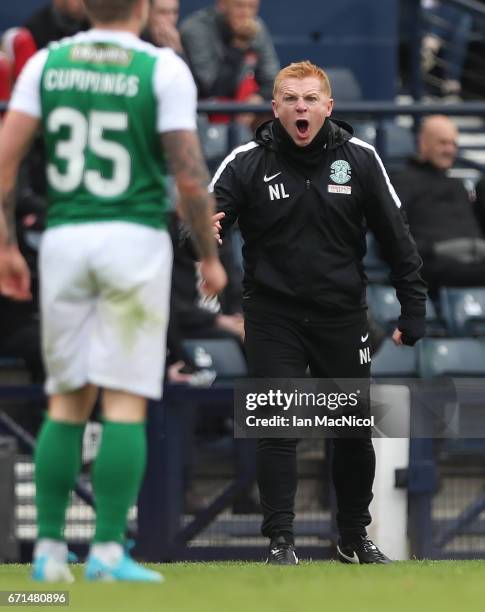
x=176 y=122
x=18 y=131
x=196 y=205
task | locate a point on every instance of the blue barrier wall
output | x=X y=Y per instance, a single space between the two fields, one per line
x=359 y=34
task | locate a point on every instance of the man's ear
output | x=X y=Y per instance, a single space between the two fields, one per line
x=275 y=112
x=330 y=107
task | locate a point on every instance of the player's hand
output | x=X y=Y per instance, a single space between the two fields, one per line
x=214 y=277
x=216 y=225
x=397 y=336
x=14 y=275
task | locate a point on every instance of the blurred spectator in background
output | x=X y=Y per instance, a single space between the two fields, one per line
x=162 y=25
x=231 y=53
x=444 y=46
x=480 y=205
x=194 y=315
x=440 y=211
x=56 y=20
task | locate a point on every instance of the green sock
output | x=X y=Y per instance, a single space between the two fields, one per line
x=117 y=477
x=57 y=464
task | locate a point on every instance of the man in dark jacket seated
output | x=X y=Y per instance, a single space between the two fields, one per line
x=440 y=211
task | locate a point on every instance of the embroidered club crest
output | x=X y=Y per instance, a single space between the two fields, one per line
x=340 y=172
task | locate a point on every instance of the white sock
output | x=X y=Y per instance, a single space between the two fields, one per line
x=107 y=552
x=57 y=549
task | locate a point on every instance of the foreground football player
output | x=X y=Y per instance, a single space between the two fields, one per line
x=113 y=110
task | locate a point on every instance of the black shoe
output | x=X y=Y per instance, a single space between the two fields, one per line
x=281 y=553
x=362 y=550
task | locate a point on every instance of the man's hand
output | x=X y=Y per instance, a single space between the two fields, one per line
x=409 y=330
x=214 y=277
x=216 y=225
x=166 y=35
x=233 y=323
x=14 y=274
x=244 y=31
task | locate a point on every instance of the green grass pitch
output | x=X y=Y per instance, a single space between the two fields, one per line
x=429 y=586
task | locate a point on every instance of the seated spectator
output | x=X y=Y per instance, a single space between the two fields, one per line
x=480 y=204
x=192 y=315
x=444 y=46
x=162 y=25
x=440 y=211
x=231 y=53
x=56 y=20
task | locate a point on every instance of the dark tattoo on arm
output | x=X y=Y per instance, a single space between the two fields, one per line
x=8 y=205
x=187 y=164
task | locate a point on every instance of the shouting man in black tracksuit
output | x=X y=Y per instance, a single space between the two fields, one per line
x=304 y=193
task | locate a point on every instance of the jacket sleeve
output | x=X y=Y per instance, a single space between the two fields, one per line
x=228 y=191
x=387 y=221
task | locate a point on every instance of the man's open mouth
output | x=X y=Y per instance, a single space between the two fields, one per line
x=303 y=126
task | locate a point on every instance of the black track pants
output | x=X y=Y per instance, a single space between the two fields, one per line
x=283 y=346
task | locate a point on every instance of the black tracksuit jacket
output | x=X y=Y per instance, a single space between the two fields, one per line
x=304 y=233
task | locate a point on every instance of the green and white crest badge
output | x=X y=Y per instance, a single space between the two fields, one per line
x=340 y=172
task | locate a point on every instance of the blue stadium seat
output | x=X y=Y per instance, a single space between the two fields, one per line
x=386 y=309
x=223 y=355
x=464 y=310
x=459 y=357
x=214 y=138
x=393 y=361
x=345 y=87
x=399 y=141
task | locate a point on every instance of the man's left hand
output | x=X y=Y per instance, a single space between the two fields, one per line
x=409 y=330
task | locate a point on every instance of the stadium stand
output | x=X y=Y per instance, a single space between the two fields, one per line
x=224 y=355
x=464 y=310
x=393 y=361
x=450 y=357
x=386 y=309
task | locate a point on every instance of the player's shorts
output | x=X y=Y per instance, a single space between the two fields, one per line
x=105 y=290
